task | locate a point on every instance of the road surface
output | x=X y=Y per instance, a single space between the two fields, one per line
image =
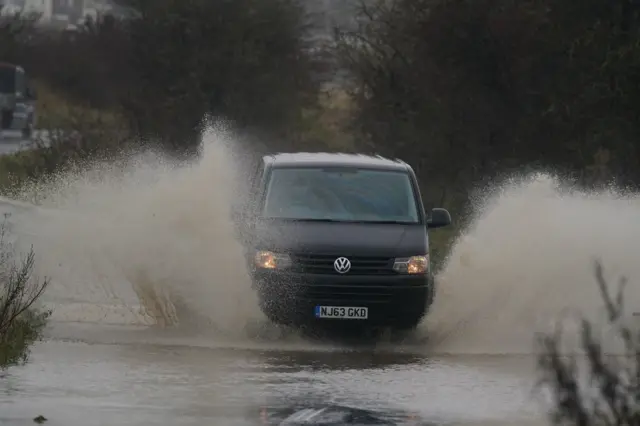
x=99 y=376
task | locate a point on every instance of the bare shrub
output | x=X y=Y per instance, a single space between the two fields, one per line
x=606 y=391
x=21 y=323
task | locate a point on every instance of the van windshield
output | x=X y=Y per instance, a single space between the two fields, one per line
x=340 y=194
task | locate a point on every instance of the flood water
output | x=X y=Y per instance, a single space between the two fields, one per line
x=149 y=235
x=95 y=375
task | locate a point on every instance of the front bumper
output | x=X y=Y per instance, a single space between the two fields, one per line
x=291 y=298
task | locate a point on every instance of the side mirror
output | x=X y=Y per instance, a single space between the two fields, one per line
x=439 y=218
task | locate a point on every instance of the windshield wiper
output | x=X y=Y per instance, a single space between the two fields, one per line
x=303 y=219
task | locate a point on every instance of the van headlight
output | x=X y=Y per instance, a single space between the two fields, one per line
x=270 y=260
x=412 y=265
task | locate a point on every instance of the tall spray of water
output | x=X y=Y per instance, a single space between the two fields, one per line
x=157 y=234
x=151 y=234
x=527 y=260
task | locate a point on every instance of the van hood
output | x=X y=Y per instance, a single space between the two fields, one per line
x=364 y=239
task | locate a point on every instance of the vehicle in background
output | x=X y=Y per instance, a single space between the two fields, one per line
x=17 y=100
x=338 y=239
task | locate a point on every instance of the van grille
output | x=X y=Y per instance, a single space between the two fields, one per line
x=360 y=265
x=351 y=294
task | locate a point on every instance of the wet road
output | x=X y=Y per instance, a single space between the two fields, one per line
x=106 y=376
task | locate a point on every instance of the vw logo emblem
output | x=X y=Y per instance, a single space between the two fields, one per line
x=342 y=265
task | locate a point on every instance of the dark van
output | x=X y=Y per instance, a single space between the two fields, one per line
x=17 y=100
x=339 y=238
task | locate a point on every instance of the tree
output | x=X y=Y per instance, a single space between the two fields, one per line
x=472 y=89
x=240 y=60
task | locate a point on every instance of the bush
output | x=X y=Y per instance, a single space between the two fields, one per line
x=245 y=61
x=21 y=323
x=610 y=392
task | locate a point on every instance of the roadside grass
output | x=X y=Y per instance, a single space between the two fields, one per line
x=326 y=127
x=55 y=111
x=73 y=134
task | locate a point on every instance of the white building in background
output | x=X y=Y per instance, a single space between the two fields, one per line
x=61 y=12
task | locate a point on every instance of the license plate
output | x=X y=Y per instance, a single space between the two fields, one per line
x=342 y=312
